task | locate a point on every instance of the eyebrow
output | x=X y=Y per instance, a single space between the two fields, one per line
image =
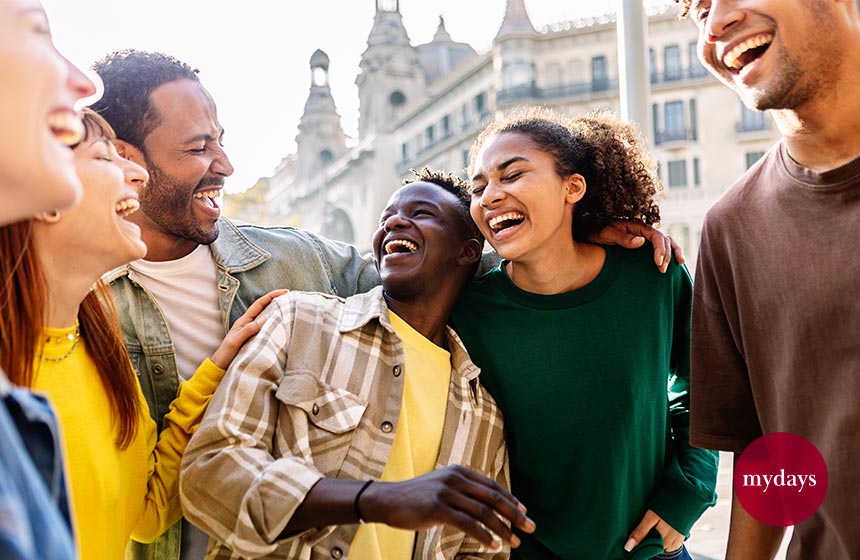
x=205 y=137
x=502 y=166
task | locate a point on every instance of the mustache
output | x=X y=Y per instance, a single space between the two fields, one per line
x=210 y=182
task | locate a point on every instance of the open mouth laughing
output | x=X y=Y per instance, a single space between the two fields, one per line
x=127 y=207
x=208 y=196
x=746 y=52
x=505 y=221
x=393 y=246
x=66 y=126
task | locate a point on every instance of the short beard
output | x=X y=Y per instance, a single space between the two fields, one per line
x=165 y=202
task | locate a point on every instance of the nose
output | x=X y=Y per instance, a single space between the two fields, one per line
x=394 y=222
x=723 y=16
x=135 y=175
x=221 y=164
x=78 y=82
x=491 y=195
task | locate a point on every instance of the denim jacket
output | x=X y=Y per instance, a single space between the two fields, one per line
x=34 y=510
x=250 y=261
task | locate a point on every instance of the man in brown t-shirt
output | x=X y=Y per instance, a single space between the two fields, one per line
x=776 y=311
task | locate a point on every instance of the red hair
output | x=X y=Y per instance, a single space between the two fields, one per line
x=23 y=305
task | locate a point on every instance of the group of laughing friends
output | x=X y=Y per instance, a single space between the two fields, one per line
x=177 y=385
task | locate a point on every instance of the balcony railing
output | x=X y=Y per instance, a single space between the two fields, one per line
x=695 y=72
x=533 y=92
x=753 y=125
x=674 y=135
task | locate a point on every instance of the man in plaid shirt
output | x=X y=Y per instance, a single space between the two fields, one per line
x=335 y=393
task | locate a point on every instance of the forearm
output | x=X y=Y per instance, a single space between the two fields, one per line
x=330 y=502
x=162 y=508
x=750 y=539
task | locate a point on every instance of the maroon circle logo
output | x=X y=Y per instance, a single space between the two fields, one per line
x=780 y=479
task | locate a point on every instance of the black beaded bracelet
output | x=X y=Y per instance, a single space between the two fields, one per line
x=355 y=502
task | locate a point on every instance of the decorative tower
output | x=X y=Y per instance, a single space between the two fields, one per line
x=391 y=76
x=320 y=139
x=513 y=49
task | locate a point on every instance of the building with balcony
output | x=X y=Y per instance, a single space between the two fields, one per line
x=423 y=105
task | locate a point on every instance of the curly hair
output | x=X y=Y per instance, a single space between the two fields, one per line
x=620 y=175
x=683 y=8
x=129 y=77
x=455 y=185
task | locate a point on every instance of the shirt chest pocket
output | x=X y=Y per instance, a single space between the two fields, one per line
x=322 y=420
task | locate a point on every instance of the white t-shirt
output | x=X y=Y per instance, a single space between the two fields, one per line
x=186 y=291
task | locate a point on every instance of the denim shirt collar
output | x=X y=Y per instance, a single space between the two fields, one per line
x=232 y=252
x=363 y=308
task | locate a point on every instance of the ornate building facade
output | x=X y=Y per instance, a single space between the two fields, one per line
x=424 y=105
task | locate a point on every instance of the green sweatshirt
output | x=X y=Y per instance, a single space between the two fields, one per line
x=593 y=385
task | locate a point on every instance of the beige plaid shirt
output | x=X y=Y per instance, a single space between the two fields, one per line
x=317 y=393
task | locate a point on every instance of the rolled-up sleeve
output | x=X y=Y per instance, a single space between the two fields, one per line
x=231 y=484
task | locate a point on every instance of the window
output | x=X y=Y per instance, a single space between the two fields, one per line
x=466 y=121
x=599 y=76
x=480 y=104
x=675 y=128
x=752 y=157
x=325 y=157
x=697 y=173
x=693 y=119
x=681 y=234
x=465 y=159
x=678 y=173
x=430 y=135
x=751 y=120
x=672 y=62
x=652 y=64
x=404 y=152
x=446 y=126
x=696 y=68
x=397 y=99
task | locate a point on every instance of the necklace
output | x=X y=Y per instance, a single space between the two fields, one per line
x=75 y=338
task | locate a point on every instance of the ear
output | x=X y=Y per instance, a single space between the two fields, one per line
x=129 y=152
x=470 y=252
x=575 y=185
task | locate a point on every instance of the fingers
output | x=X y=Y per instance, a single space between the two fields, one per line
x=258 y=306
x=672 y=539
x=677 y=251
x=648 y=522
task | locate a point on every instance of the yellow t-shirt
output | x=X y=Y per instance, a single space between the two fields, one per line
x=116 y=494
x=426 y=376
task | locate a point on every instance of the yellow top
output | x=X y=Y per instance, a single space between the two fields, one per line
x=117 y=494
x=426 y=376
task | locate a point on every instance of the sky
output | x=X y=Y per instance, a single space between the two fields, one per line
x=253 y=55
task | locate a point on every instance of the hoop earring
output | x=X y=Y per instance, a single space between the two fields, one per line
x=51 y=216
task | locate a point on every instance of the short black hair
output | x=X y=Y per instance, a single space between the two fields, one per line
x=129 y=77
x=455 y=185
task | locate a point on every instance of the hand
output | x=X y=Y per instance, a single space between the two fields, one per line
x=454 y=496
x=633 y=234
x=244 y=328
x=672 y=539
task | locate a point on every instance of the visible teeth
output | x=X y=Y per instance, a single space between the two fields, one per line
x=67 y=127
x=127 y=207
x=732 y=58
x=389 y=247
x=506 y=216
x=208 y=194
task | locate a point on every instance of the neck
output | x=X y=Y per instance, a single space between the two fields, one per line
x=822 y=134
x=427 y=317
x=161 y=246
x=564 y=272
x=68 y=285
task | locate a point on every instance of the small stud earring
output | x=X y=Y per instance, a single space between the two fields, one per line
x=51 y=216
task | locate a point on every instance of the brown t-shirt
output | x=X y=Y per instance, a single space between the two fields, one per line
x=776 y=329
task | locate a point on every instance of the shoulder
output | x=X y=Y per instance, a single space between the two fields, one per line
x=748 y=192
